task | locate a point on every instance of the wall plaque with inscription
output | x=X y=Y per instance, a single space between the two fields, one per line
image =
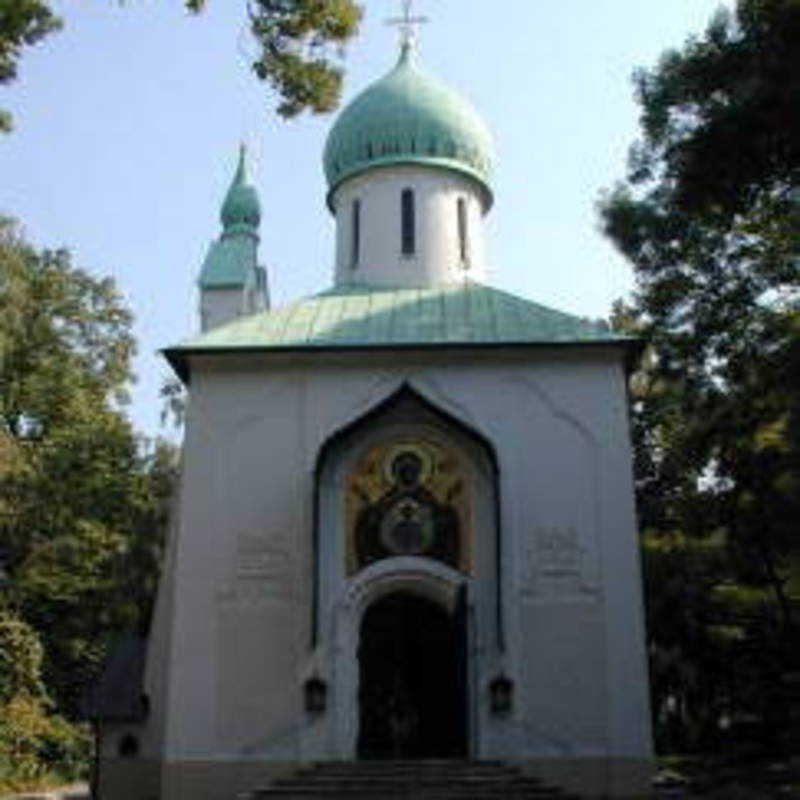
x=557 y=565
x=264 y=565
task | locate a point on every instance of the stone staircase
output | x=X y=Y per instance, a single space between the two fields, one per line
x=420 y=780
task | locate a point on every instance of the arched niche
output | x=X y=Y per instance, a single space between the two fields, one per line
x=356 y=475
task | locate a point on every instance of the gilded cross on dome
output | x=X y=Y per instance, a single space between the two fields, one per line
x=407 y=24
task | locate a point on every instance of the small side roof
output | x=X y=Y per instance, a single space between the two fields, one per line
x=117 y=696
x=365 y=317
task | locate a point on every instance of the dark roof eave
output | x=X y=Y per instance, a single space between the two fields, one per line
x=178 y=356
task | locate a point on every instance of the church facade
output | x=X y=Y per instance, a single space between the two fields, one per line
x=405 y=526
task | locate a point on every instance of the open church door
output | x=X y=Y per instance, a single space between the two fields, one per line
x=413 y=670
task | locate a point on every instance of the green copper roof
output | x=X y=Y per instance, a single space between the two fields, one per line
x=366 y=317
x=409 y=117
x=232 y=258
x=229 y=262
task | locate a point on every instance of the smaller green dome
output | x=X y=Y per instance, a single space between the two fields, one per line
x=232 y=259
x=241 y=206
x=409 y=117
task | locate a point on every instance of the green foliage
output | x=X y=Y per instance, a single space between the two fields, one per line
x=20 y=660
x=299 y=42
x=83 y=503
x=60 y=330
x=22 y=23
x=710 y=220
x=298 y=39
x=34 y=742
x=37 y=747
x=735 y=91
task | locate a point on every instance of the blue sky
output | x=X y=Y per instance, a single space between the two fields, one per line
x=128 y=124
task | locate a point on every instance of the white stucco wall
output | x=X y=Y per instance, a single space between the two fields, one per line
x=218 y=306
x=437 y=259
x=221 y=305
x=240 y=581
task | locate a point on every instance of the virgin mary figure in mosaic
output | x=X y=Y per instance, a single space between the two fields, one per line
x=407 y=520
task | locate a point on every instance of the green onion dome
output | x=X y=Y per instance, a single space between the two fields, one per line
x=241 y=208
x=409 y=117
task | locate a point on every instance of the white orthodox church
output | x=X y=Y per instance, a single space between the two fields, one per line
x=405 y=528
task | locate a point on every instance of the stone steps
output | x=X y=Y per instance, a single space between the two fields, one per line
x=420 y=780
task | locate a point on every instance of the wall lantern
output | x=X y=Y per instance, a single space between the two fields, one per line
x=501 y=691
x=316 y=695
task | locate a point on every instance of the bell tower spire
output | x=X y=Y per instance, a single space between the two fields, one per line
x=241 y=210
x=231 y=281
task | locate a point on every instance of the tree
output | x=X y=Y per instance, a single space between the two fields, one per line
x=83 y=506
x=709 y=218
x=300 y=41
x=33 y=740
x=720 y=117
x=22 y=23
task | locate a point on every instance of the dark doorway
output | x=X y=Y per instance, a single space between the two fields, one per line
x=412 y=693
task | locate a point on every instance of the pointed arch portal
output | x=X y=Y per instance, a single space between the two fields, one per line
x=407 y=407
